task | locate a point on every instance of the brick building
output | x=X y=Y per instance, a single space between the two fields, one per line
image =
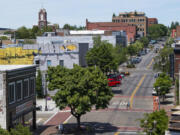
x=137 y=19
x=152 y=21
x=177 y=31
x=111 y=26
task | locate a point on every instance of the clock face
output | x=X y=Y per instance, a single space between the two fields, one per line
x=41 y=17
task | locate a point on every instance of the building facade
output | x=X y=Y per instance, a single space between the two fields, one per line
x=111 y=26
x=152 y=21
x=17 y=96
x=137 y=19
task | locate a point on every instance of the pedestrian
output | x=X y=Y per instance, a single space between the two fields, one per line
x=128 y=105
x=61 y=128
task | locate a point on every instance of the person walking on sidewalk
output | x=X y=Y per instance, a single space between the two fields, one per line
x=128 y=105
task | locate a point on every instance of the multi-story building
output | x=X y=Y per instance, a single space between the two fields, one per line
x=114 y=27
x=137 y=19
x=152 y=21
x=177 y=31
x=17 y=95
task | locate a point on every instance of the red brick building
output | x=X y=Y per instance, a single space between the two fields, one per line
x=177 y=31
x=111 y=26
x=152 y=21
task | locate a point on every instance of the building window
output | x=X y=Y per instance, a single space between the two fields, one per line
x=31 y=86
x=11 y=90
x=61 y=63
x=48 y=63
x=26 y=88
x=19 y=90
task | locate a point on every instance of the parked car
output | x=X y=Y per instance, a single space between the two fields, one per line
x=115 y=76
x=154 y=91
x=113 y=82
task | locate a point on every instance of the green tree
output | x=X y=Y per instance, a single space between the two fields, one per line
x=162 y=85
x=157 y=31
x=120 y=53
x=161 y=61
x=101 y=55
x=22 y=33
x=4 y=132
x=79 y=88
x=157 y=122
x=70 y=27
x=145 y=41
x=20 y=130
x=132 y=50
x=3 y=38
x=39 y=88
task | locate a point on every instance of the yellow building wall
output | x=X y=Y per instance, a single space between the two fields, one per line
x=16 y=56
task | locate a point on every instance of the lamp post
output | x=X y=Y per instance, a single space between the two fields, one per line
x=46 y=109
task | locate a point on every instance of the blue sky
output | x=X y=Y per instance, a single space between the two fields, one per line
x=17 y=13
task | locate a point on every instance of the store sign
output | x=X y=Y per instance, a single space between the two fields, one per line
x=24 y=106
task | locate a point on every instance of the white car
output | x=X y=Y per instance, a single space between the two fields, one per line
x=154 y=91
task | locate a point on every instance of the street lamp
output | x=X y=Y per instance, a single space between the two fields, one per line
x=150 y=130
x=46 y=109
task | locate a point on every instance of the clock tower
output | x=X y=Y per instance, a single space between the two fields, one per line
x=42 y=18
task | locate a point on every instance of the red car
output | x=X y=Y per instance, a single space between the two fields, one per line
x=113 y=82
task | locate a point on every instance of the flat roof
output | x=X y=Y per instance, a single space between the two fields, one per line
x=13 y=67
x=74 y=32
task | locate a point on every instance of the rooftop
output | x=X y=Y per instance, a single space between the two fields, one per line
x=13 y=67
x=74 y=32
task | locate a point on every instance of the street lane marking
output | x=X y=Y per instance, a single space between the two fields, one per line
x=135 y=90
x=38 y=120
x=49 y=118
x=66 y=121
x=148 y=66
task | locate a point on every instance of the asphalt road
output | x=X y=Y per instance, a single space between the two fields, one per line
x=135 y=89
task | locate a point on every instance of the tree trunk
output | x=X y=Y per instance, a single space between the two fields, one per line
x=78 y=122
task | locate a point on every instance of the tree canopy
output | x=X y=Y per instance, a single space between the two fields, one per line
x=70 y=27
x=101 y=55
x=157 y=31
x=18 y=130
x=157 y=122
x=162 y=84
x=161 y=61
x=174 y=24
x=79 y=88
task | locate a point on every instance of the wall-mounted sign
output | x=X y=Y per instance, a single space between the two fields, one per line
x=69 y=47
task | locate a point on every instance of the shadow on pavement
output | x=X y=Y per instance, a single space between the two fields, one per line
x=45 y=130
x=166 y=102
x=117 y=91
x=89 y=128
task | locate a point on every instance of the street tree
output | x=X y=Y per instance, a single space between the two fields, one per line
x=101 y=55
x=155 y=123
x=4 y=132
x=79 y=89
x=20 y=130
x=162 y=60
x=162 y=85
x=120 y=53
x=145 y=41
x=157 y=31
x=39 y=88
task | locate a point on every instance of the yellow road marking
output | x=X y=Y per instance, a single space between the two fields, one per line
x=148 y=66
x=135 y=90
x=117 y=133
